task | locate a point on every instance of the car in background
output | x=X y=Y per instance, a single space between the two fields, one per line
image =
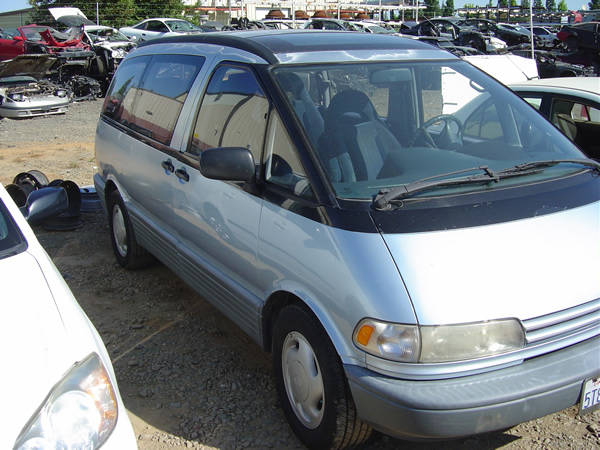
x=60 y=386
x=23 y=91
x=546 y=37
x=572 y=104
x=159 y=27
x=73 y=55
x=110 y=46
x=508 y=34
x=329 y=24
x=585 y=35
x=282 y=24
x=371 y=27
x=459 y=33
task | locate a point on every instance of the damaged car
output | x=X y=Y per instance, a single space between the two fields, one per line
x=23 y=92
x=73 y=56
x=109 y=44
x=459 y=33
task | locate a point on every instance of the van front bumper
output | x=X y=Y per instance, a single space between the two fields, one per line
x=444 y=409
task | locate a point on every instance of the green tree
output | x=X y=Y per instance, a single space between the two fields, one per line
x=448 y=9
x=538 y=5
x=525 y=4
x=550 y=5
x=115 y=13
x=432 y=8
x=562 y=6
x=594 y=4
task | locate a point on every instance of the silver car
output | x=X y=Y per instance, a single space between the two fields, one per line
x=416 y=246
x=158 y=27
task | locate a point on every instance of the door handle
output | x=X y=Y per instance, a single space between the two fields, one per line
x=182 y=174
x=168 y=165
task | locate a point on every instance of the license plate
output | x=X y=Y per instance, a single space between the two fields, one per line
x=590 y=396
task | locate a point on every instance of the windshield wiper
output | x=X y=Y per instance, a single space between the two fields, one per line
x=548 y=163
x=386 y=196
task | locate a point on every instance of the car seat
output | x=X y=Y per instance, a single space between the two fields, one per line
x=356 y=142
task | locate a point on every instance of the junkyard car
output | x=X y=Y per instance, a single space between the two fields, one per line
x=330 y=24
x=581 y=36
x=60 y=385
x=159 y=27
x=458 y=32
x=73 y=55
x=414 y=243
x=572 y=104
x=24 y=92
x=507 y=34
x=109 y=44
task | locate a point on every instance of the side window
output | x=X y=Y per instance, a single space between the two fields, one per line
x=152 y=106
x=282 y=164
x=118 y=102
x=484 y=123
x=535 y=101
x=233 y=112
x=576 y=111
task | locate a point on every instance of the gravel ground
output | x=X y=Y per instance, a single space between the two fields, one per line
x=189 y=378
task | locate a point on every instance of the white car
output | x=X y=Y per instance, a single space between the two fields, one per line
x=570 y=103
x=60 y=387
x=159 y=27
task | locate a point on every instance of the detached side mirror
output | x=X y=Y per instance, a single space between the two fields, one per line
x=44 y=204
x=228 y=164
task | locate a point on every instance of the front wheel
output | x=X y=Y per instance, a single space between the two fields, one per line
x=311 y=383
x=128 y=252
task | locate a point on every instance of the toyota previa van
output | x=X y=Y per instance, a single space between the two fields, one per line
x=417 y=247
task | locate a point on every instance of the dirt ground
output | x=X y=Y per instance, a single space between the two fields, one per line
x=189 y=378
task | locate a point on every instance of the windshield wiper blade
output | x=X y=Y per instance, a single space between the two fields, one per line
x=548 y=163
x=386 y=196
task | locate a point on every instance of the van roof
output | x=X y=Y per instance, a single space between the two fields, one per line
x=269 y=43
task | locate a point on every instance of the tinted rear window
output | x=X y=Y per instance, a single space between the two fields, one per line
x=148 y=92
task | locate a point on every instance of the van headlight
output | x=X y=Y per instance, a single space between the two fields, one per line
x=437 y=344
x=79 y=413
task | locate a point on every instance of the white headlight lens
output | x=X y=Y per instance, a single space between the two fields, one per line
x=470 y=341
x=79 y=413
x=437 y=344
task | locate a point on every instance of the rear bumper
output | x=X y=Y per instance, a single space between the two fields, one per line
x=443 y=409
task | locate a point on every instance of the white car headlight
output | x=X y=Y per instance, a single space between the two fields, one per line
x=437 y=344
x=79 y=413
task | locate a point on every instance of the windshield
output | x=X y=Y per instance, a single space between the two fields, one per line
x=378 y=125
x=11 y=241
x=106 y=34
x=182 y=25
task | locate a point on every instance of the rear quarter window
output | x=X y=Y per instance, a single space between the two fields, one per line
x=148 y=92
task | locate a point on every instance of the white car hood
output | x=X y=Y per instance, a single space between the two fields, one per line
x=524 y=269
x=36 y=347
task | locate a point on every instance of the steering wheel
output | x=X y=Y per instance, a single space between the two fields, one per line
x=448 y=138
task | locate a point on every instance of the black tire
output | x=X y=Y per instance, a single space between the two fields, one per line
x=101 y=66
x=319 y=409
x=128 y=252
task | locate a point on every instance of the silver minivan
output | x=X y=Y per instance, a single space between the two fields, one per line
x=416 y=245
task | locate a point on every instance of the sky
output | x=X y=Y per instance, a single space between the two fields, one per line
x=11 y=5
